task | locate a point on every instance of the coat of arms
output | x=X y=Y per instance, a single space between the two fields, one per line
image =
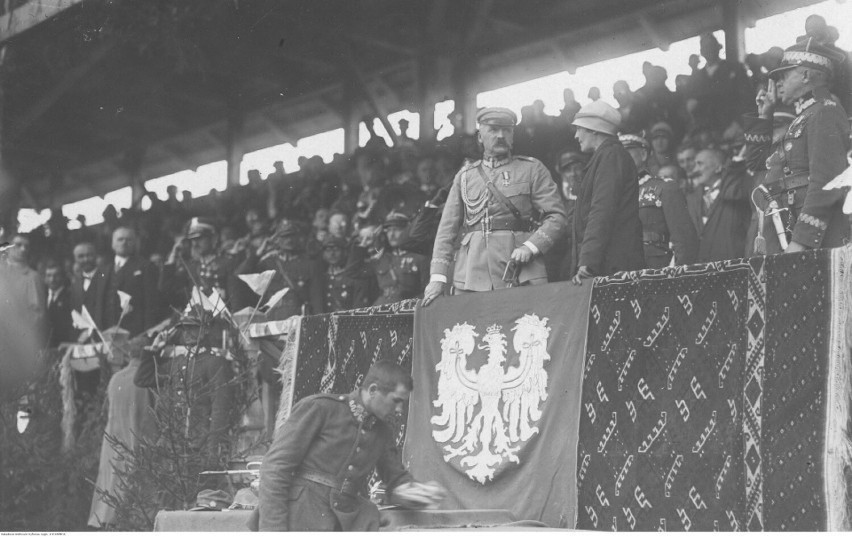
x=487 y=415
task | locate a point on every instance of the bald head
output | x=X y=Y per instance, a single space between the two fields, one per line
x=124 y=242
x=85 y=256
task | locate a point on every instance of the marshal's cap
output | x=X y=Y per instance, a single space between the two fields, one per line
x=807 y=53
x=199 y=227
x=500 y=117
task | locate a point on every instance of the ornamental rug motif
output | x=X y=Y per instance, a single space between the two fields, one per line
x=705 y=398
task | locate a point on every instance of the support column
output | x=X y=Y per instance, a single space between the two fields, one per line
x=10 y=192
x=464 y=93
x=351 y=119
x=234 y=146
x=425 y=98
x=734 y=26
x=132 y=166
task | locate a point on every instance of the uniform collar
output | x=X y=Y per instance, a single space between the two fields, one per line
x=495 y=162
x=644 y=177
x=360 y=413
x=809 y=99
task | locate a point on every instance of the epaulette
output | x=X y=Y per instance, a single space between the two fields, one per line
x=331 y=397
x=470 y=166
x=523 y=157
x=666 y=179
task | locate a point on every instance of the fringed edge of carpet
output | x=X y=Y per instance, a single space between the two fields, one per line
x=838 y=448
x=287 y=368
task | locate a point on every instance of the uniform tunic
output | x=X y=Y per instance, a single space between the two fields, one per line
x=472 y=209
x=607 y=230
x=400 y=275
x=332 y=435
x=811 y=153
x=665 y=219
x=342 y=291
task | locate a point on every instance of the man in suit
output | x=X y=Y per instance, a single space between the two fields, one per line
x=59 y=326
x=719 y=206
x=490 y=208
x=90 y=284
x=607 y=233
x=137 y=277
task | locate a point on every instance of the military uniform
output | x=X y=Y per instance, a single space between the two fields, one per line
x=314 y=476
x=811 y=153
x=296 y=272
x=400 y=274
x=342 y=291
x=665 y=220
x=489 y=231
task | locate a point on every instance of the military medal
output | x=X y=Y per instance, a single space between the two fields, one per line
x=658 y=203
x=791 y=197
x=505 y=178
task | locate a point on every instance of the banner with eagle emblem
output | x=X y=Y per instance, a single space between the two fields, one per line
x=495 y=409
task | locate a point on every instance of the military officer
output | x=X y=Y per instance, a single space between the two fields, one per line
x=342 y=289
x=811 y=153
x=491 y=206
x=667 y=230
x=314 y=476
x=282 y=252
x=400 y=274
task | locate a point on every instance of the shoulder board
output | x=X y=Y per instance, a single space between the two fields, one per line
x=470 y=166
x=666 y=179
x=528 y=159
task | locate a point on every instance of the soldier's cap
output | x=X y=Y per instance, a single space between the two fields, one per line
x=570 y=157
x=286 y=228
x=396 y=219
x=783 y=115
x=212 y=500
x=494 y=115
x=334 y=242
x=598 y=116
x=661 y=129
x=199 y=227
x=634 y=140
x=808 y=53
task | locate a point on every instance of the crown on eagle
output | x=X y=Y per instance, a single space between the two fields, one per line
x=494 y=329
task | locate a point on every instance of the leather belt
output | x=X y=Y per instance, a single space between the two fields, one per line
x=787 y=183
x=509 y=223
x=344 y=486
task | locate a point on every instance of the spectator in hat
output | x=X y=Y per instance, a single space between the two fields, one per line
x=569 y=167
x=811 y=152
x=721 y=88
x=662 y=144
x=607 y=233
x=667 y=231
x=399 y=273
x=495 y=198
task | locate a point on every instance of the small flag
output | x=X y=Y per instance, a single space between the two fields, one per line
x=843 y=180
x=275 y=299
x=259 y=283
x=217 y=302
x=83 y=321
x=124 y=300
x=198 y=298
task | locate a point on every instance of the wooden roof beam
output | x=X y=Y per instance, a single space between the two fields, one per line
x=653 y=32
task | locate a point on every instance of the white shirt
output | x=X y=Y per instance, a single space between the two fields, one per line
x=87 y=279
x=119 y=262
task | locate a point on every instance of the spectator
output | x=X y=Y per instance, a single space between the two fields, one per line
x=342 y=289
x=721 y=88
x=90 y=285
x=685 y=158
x=626 y=99
x=569 y=167
x=400 y=274
x=719 y=206
x=26 y=285
x=136 y=276
x=607 y=234
x=662 y=142
x=667 y=231
x=58 y=306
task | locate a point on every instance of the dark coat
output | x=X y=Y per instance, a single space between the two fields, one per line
x=665 y=220
x=324 y=435
x=59 y=325
x=724 y=234
x=137 y=277
x=94 y=298
x=607 y=232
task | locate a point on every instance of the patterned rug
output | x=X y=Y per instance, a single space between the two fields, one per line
x=709 y=395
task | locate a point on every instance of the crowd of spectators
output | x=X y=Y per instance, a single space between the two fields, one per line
x=329 y=228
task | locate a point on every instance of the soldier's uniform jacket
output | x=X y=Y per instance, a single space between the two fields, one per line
x=489 y=231
x=343 y=291
x=665 y=220
x=811 y=153
x=331 y=437
x=400 y=274
x=200 y=376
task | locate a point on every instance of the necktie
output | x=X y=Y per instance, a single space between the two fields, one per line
x=87 y=280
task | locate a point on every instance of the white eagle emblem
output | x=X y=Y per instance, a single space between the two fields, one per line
x=488 y=415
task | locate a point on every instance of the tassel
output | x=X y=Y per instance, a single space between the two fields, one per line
x=760 y=240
